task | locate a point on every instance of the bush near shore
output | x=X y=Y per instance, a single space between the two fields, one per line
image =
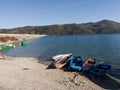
x=8 y=38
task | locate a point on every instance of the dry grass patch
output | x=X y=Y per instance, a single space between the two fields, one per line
x=8 y=38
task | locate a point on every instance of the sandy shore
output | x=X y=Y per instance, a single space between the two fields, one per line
x=28 y=74
x=20 y=37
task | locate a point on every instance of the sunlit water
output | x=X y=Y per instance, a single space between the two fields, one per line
x=103 y=47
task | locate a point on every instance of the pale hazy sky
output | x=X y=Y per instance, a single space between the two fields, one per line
x=18 y=13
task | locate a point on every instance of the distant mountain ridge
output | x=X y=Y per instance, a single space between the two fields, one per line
x=101 y=27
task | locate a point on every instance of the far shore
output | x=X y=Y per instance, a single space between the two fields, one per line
x=20 y=37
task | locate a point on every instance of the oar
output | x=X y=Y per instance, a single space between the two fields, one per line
x=113 y=78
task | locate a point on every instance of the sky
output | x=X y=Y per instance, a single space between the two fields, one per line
x=19 y=13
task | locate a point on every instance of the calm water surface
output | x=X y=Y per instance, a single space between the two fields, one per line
x=102 y=47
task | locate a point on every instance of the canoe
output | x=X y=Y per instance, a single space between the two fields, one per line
x=24 y=43
x=90 y=62
x=58 y=57
x=100 y=70
x=62 y=61
x=6 y=47
x=59 y=61
x=88 y=65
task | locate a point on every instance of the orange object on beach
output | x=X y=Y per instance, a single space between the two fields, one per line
x=90 y=62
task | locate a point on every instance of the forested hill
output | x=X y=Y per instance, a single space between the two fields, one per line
x=101 y=27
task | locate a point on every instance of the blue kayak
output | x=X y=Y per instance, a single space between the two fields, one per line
x=76 y=63
x=101 y=70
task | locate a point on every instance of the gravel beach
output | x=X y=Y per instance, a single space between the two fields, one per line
x=19 y=73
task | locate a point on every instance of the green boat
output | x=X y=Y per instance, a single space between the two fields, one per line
x=6 y=47
x=24 y=43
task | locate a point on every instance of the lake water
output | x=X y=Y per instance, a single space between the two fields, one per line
x=104 y=47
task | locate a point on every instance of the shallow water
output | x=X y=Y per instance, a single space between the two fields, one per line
x=104 y=47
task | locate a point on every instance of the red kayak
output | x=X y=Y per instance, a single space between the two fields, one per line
x=90 y=62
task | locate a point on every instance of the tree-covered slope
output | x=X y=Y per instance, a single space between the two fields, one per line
x=101 y=27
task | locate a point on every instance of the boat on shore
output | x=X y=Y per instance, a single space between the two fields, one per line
x=62 y=61
x=60 y=56
x=59 y=61
x=6 y=46
x=100 y=70
x=76 y=63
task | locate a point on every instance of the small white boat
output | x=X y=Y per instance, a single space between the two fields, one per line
x=58 y=57
x=61 y=62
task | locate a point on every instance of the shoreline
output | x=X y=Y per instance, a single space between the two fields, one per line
x=20 y=37
x=27 y=73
